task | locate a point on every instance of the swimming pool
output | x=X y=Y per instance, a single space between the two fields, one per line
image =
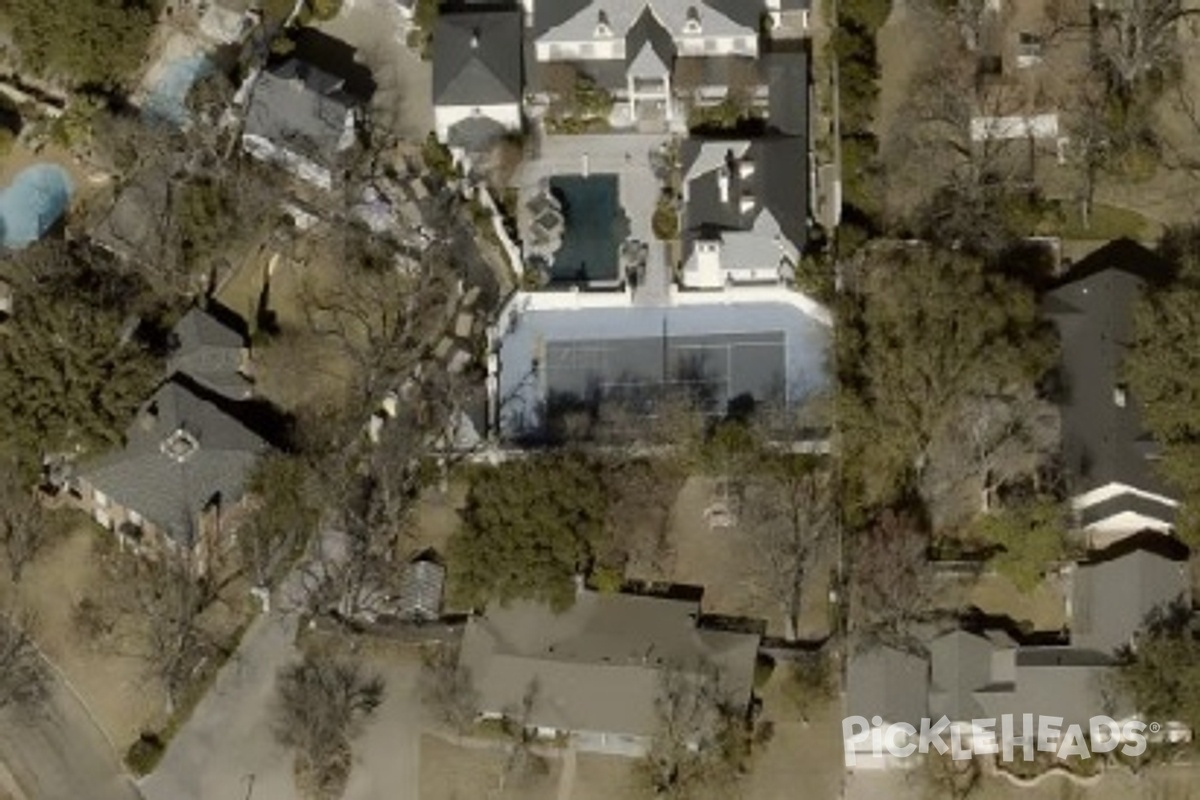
x=595 y=225
x=32 y=203
x=168 y=98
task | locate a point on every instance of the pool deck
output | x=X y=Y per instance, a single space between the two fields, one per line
x=625 y=155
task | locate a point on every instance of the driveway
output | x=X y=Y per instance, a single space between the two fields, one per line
x=403 y=97
x=226 y=751
x=387 y=757
x=61 y=754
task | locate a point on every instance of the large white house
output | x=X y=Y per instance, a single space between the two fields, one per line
x=637 y=49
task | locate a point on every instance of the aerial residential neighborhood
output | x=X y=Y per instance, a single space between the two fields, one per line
x=599 y=399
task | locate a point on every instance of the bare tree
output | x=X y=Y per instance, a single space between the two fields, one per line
x=989 y=443
x=165 y=600
x=23 y=526
x=321 y=705
x=788 y=515
x=446 y=688
x=892 y=580
x=701 y=742
x=24 y=680
x=1138 y=38
x=383 y=319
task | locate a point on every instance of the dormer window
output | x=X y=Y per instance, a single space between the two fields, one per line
x=1119 y=397
x=691 y=25
x=603 y=29
x=180 y=445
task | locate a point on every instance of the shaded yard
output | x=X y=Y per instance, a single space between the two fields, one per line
x=723 y=561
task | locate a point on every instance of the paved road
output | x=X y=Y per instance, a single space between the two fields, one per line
x=60 y=754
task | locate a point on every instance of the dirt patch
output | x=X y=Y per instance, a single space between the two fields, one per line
x=436 y=518
x=722 y=560
x=603 y=777
x=450 y=772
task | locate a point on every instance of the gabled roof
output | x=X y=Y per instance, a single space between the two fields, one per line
x=1113 y=597
x=777 y=188
x=477 y=57
x=1092 y=306
x=186 y=450
x=961 y=662
x=597 y=666
x=649 y=48
x=887 y=682
x=210 y=351
x=576 y=20
x=301 y=108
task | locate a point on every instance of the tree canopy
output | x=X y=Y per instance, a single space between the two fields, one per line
x=926 y=330
x=1029 y=538
x=528 y=527
x=1163 y=369
x=1162 y=677
x=71 y=370
x=96 y=42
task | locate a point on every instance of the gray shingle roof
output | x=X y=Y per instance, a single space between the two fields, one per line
x=778 y=187
x=211 y=352
x=787 y=85
x=299 y=107
x=597 y=667
x=1092 y=307
x=649 y=48
x=961 y=662
x=1111 y=599
x=1076 y=692
x=575 y=20
x=889 y=683
x=214 y=456
x=477 y=58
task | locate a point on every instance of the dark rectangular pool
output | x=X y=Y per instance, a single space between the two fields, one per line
x=595 y=225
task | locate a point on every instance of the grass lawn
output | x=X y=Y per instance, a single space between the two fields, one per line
x=1107 y=222
x=449 y=772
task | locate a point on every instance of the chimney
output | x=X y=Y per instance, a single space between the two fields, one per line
x=723 y=184
x=475 y=39
x=746 y=205
x=580 y=585
x=149 y=417
x=745 y=168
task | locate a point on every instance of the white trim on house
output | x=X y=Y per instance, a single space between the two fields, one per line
x=1128 y=522
x=1116 y=489
x=303 y=168
x=507 y=115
